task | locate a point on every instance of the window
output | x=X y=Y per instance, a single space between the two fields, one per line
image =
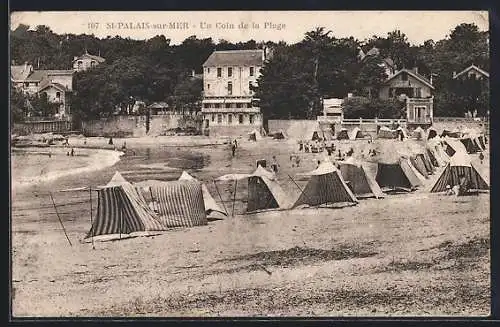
x=92 y=64
x=213 y=117
x=249 y=105
x=229 y=71
x=229 y=119
x=251 y=117
x=208 y=70
x=58 y=95
x=208 y=86
x=205 y=105
x=250 y=86
x=418 y=92
x=216 y=105
x=229 y=88
x=238 y=105
x=252 y=71
x=219 y=118
x=26 y=84
x=404 y=76
x=80 y=63
x=219 y=72
x=240 y=119
x=228 y=105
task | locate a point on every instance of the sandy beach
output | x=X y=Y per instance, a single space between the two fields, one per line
x=408 y=254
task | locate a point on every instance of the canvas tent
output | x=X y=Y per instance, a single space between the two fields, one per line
x=418 y=133
x=431 y=133
x=454 y=134
x=178 y=203
x=387 y=133
x=453 y=145
x=264 y=192
x=325 y=186
x=361 y=183
x=279 y=135
x=418 y=162
x=471 y=144
x=122 y=212
x=356 y=134
x=211 y=206
x=460 y=164
x=343 y=134
x=396 y=176
x=254 y=135
x=401 y=132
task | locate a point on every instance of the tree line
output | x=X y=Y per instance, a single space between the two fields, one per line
x=292 y=83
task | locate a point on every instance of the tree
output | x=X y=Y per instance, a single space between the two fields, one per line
x=371 y=77
x=17 y=106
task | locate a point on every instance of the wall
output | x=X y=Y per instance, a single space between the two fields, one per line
x=135 y=126
x=57 y=126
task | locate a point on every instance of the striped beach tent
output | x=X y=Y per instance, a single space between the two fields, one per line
x=211 y=206
x=121 y=212
x=460 y=164
x=178 y=203
x=418 y=162
x=362 y=184
x=356 y=134
x=325 y=186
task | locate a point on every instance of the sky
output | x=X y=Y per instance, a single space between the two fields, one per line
x=235 y=26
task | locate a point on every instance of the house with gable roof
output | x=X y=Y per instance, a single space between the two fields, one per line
x=86 y=61
x=472 y=72
x=416 y=90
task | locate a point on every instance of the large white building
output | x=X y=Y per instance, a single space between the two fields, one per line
x=229 y=105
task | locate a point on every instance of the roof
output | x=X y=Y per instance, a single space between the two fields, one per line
x=414 y=75
x=473 y=67
x=389 y=62
x=235 y=58
x=88 y=55
x=19 y=73
x=373 y=52
x=38 y=75
x=55 y=85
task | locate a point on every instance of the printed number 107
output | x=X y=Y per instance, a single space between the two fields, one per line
x=93 y=26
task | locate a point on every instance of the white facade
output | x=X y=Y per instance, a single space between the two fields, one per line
x=227 y=97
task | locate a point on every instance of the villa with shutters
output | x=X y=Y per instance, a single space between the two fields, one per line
x=229 y=105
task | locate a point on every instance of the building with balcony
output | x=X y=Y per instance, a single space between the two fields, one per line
x=416 y=90
x=86 y=61
x=229 y=105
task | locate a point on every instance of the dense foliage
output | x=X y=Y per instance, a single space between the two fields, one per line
x=292 y=84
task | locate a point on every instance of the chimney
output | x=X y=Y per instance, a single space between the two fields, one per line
x=192 y=73
x=430 y=80
x=454 y=74
x=415 y=69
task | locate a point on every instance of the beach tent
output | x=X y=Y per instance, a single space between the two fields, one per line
x=460 y=164
x=418 y=162
x=432 y=156
x=396 y=176
x=356 y=134
x=325 y=186
x=453 y=145
x=311 y=132
x=122 y=212
x=343 y=134
x=431 y=133
x=254 y=135
x=429 y=166
x=400 y=131
x=471 y=144
x=480 y=139
x=454 y=134
x=264 y=192
x=361 y=183
x=387 y=133
x=280 y=135
x=418 y=133
x=178 y=203
x=211 y=207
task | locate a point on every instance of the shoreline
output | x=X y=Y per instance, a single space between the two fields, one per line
x=96 y=160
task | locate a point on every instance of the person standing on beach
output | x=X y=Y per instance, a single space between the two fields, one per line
x=274 y=165
x=235 y=143
x=233 y=149
x=72 y=152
